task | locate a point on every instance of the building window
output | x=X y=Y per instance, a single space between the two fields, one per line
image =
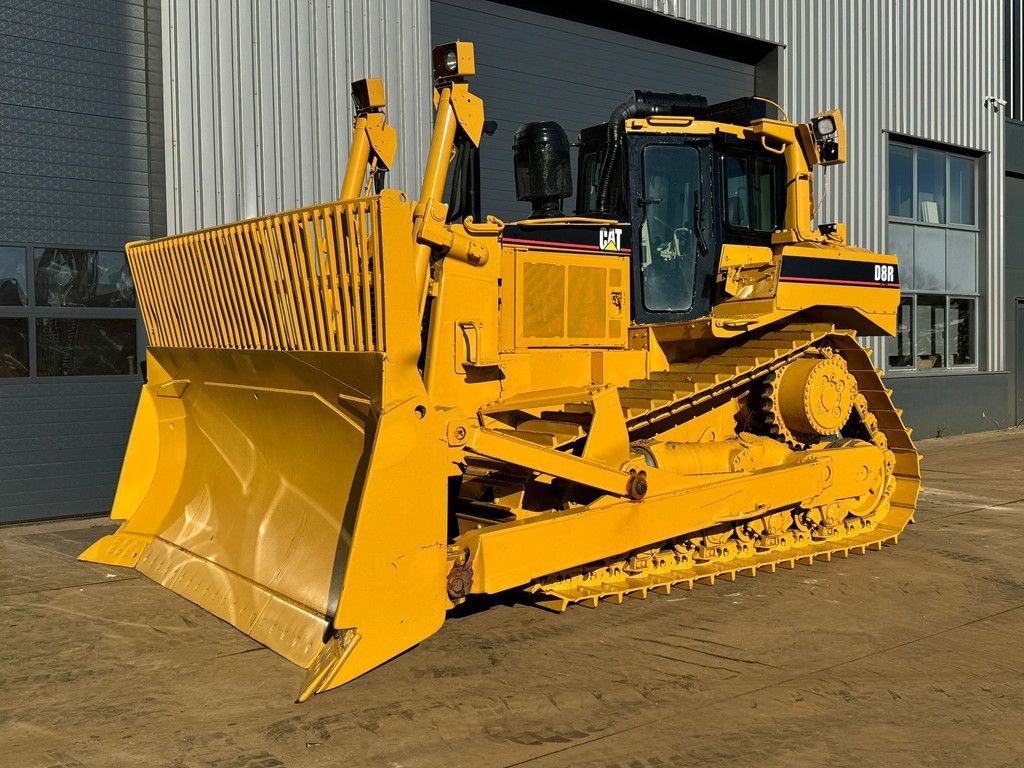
x=66 y=312
x=935 y=332
x=931 y=186
x=901 y=181
x=14 y=358
x=933 y=229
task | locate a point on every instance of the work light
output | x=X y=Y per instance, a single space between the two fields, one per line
x=368 y=94
x=453 y=60
x=825 y=126
x=824 y=138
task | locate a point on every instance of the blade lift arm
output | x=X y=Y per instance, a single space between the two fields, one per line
x=458 y=110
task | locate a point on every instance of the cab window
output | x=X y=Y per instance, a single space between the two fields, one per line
x=751 y=189
x=589 y=179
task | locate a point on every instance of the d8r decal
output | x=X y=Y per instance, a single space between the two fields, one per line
x=804 y=269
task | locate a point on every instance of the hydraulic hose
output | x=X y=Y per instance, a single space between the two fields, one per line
x=641 y=104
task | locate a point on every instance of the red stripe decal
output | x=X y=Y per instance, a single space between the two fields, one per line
x=837 y=282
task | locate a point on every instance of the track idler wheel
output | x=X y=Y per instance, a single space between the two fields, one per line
x=810 y=398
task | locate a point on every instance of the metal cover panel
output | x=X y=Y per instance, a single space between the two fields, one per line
x=587 y=300
x=929 y=259
x=901 y=242
x=961 y=261
x=544 y=300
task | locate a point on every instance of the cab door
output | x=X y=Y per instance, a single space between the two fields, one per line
x=674 y=243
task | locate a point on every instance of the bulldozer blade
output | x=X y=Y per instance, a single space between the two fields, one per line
x=299 y=496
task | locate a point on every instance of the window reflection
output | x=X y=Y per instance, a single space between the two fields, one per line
x=13 y=347
x=764 y=194
x=737 y=194
x=961 y=190
x=85 y=347
x=901 y=181
x=68 y=277
x=931 y=186
x=13 y=282
x=750 y=192
x=591 y=161
x=901 y=352
x=931 y=331
x=961 y=331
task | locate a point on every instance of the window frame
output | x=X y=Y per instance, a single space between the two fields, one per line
x=914 y=217
x=643 y=226
x=752 y=153
x=947 y=368
x=31 y=313
x=914 y=220
x=707 y=262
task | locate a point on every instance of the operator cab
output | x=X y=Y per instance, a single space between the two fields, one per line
x=675 y=195
x=684 y=195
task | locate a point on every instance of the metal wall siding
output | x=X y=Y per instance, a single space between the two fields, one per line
x=762 y=19
x=258 y=114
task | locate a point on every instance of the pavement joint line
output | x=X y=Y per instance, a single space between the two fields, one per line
x=73 y=523
x=968 y=511
x=70 y=586
x=766 y=687
x=932 y=471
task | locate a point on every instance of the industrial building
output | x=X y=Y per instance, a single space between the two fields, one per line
x=136 y=118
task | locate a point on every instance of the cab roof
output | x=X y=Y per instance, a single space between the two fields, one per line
x=742 y=111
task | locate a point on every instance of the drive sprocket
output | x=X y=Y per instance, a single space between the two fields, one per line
x=809 y=398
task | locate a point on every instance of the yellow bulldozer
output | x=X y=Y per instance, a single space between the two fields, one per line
x=361 y=414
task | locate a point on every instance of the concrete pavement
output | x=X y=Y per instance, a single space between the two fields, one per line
x=911 y=656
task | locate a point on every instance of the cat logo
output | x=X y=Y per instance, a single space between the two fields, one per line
x=885 y=273
x=610 y=238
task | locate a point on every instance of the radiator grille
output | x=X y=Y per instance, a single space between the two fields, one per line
x=306 y=280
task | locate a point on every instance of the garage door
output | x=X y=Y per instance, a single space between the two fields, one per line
x=81 y=173
x=534 y=66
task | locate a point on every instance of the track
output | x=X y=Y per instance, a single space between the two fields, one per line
x=705 y=556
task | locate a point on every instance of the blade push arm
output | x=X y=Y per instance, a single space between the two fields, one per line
x=373 y=141
x=457 y=110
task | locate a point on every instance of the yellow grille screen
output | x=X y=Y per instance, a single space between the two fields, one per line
x=307 y=280
x=544 y=302
x=587 y=300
